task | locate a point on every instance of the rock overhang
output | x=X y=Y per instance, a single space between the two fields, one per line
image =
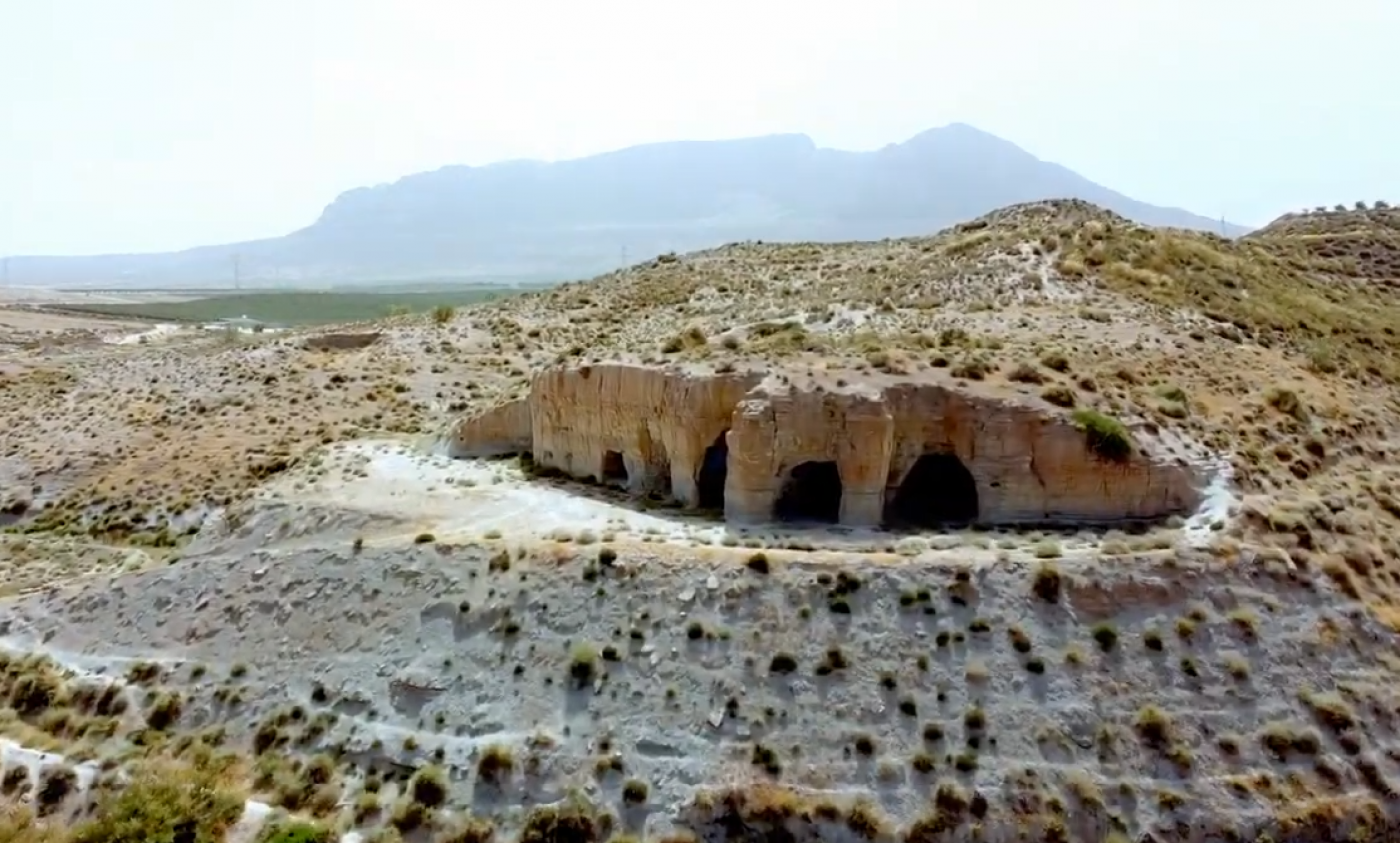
x=858 y=449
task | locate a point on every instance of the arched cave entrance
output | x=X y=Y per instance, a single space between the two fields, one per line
x=812 y=492
x=714 y=473
x=937 y=491
x=614 y=468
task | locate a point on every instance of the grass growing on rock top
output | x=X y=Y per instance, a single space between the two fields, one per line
x=1106 y=435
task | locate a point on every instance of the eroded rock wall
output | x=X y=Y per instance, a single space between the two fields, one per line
x=649 y=429
x=1032 y=463
x=501 y=430
x=660 y=422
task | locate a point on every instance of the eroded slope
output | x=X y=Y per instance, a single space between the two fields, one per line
x=1135 y=694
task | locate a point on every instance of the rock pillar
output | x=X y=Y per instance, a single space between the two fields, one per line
x=863 y=455
x=751 y=485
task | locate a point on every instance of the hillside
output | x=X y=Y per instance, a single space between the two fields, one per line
x=1357 y=241
x=245 y=570
x=573 y=218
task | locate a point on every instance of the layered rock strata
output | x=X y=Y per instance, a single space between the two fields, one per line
x=886 y=450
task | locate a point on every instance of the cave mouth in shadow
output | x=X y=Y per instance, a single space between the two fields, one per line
x=812 y=492
x=614 y=468
x=714 y=473
x=938 y=491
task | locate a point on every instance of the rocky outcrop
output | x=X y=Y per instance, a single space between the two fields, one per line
x=505 y=429
x=886 y=450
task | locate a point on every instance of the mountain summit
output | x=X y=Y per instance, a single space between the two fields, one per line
x=581 y=216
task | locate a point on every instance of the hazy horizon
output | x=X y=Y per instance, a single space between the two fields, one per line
x=153 y=125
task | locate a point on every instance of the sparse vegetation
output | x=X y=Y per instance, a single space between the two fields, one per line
x=296 y=832
x=429 y=785
x=1105 y=636
x=583 y=663
x=442 y=314
x=1275 y=353
x=635 y=792
x=782 y=663
x=160 y=800
x=493 y=766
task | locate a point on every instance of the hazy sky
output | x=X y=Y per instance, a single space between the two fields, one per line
x=138 y=125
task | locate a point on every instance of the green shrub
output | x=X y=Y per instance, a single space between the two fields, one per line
x=583 y=663
x=782 y=663
x=569 y=822
x=55 y=785
x=495 y=764
x=164 y=711
x=467 y=830
x=429 y=786
x=1026 y=373
x=34 y=692
x=1059 y=395
x=1048 y=583
x=635 y=791
x=1106 y=636
x=409 y=816
x=296 y=832
x=1286 y=401
x=164 y=802
x=1106 y=435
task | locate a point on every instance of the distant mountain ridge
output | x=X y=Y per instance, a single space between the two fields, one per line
x=582 y=216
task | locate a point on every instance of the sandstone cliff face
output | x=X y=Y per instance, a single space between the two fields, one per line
x=502 y=430
x=882 y=452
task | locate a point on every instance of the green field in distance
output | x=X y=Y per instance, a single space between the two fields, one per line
x=302 y=307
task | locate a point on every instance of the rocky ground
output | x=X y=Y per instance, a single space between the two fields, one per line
x=236 y=562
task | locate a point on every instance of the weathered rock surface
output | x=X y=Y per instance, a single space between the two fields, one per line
x=885 y=450
x=504 y=429
x=410 y=643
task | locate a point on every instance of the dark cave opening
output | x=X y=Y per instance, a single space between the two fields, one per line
x=714 y=473
x=812 y=492
x=614 y=468
x=938 y=491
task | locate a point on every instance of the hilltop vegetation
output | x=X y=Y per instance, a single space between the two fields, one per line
x=1360 y=242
